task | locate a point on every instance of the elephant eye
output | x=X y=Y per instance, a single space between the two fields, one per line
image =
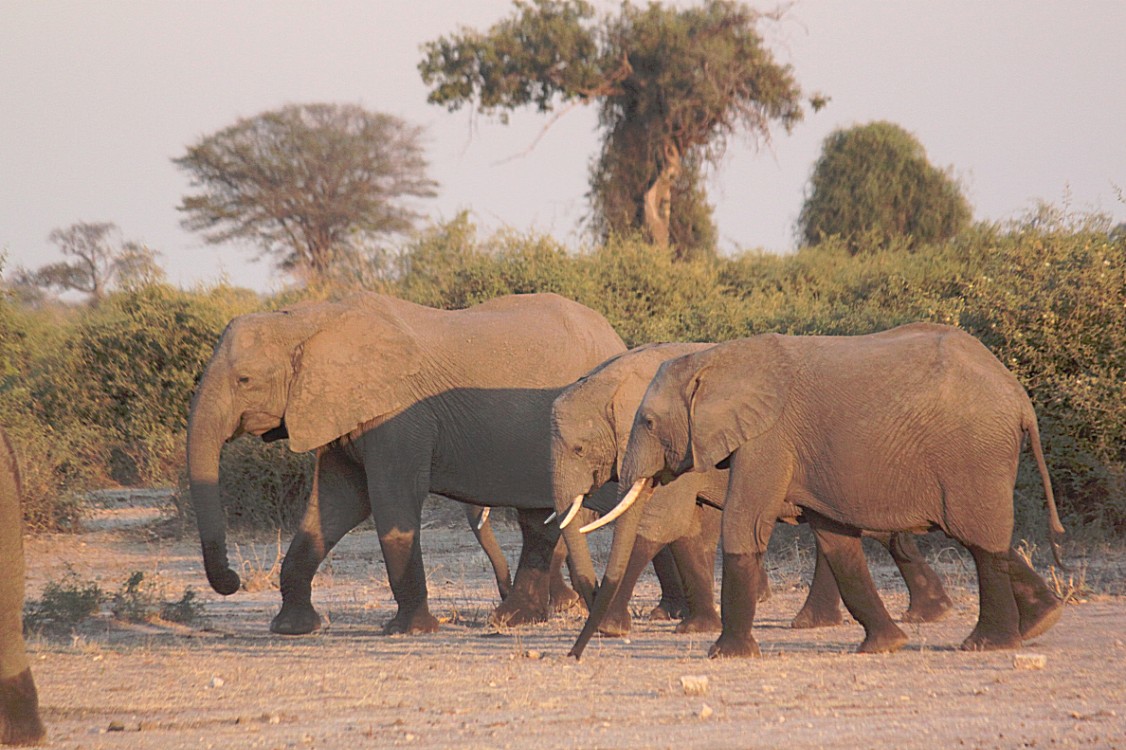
x=579 y=449
x=244 y=379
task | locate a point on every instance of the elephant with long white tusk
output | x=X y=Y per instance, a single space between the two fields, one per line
x=915 y=428
x=592 y=422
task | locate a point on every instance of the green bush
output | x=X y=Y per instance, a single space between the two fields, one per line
x=64 y=604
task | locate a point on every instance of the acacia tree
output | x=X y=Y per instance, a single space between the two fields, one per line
x=672 y=86
x=97 y=261
x=310 y=185
x=875 y=181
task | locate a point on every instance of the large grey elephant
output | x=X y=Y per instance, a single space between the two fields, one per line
x=591 y=423
x=19 y=701
x=912 y=429
x=397 y=400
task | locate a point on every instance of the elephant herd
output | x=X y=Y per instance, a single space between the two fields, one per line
x=533 y=402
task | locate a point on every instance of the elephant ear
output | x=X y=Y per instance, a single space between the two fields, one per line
x=623 y=409
x=357 y=367
x=737 y=396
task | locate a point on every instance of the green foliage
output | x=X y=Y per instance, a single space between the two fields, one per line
x=1048 y=296
x=141 y=600
x=873 y=185
x=64 y=604
x=672 y=85
x=263 y=485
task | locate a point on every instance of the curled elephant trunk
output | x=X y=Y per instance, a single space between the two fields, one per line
x=625 y=538
x=204 y=445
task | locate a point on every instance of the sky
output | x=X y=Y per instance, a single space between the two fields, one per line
x=1023 y=100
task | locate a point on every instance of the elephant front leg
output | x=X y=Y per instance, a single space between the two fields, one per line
x=841 y=547
x=19 y=709
x=739 y=595
x=674 y=599
x=337 y=504
x=695 y=558
x=530 y=597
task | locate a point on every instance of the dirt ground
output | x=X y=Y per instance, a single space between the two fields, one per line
x=224 y=681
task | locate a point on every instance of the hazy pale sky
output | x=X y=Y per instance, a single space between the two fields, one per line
x=1025 y=100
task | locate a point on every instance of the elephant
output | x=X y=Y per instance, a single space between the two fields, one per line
x=912 y=429
x=591 y=422
x=478 y=518
x=19 y=701
x=397 y=400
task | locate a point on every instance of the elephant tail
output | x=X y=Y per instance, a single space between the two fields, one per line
x=1055 y=528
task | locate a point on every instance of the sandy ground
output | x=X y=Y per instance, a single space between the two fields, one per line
x=225 y=682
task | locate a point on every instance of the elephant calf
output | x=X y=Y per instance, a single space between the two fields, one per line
x=19 y=701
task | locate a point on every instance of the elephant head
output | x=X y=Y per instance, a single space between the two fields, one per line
x=591 y=423
x=695 y=412
x=312 y=372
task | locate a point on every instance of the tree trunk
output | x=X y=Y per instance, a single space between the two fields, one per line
x=658 y=197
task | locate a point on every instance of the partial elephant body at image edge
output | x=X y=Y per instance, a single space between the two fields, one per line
x=19 y=701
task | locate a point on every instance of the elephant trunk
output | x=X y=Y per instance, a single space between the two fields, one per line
x=625 y=537
x=205 y=441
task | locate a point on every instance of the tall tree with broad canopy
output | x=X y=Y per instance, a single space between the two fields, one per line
x=310 y=185
x=672 y=86
x=874 y=182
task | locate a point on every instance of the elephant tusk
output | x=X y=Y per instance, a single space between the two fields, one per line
x=550 y=518
x=576 y=504
x=620 y=508
x=484 y=518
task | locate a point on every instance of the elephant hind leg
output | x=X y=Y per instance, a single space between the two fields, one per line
x=822 y=606
x=845 y=555
x=998 y=623
x=1039 y=608
x=928 y=601
x=19 y=711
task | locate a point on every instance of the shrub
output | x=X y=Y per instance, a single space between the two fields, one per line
x=873 y=185
x=63 y=605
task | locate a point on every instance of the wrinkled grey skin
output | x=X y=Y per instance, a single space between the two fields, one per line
x=591 y=423
x=19 y=701
x=397 y=401
x=912 y=429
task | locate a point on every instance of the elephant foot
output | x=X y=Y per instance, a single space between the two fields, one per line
x=517 y=610
x=669 y=608
x=19 y=711
x=728 y=646
x=982 y=640
x=295 y=619
x=930 y=610
x=411 y=622
x=566 y=600
x=1037 y=621
x=700 y=622
x=884 y=641
x=809 y=617
x=615 y=624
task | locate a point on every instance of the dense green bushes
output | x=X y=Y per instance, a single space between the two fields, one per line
x=98 y=395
